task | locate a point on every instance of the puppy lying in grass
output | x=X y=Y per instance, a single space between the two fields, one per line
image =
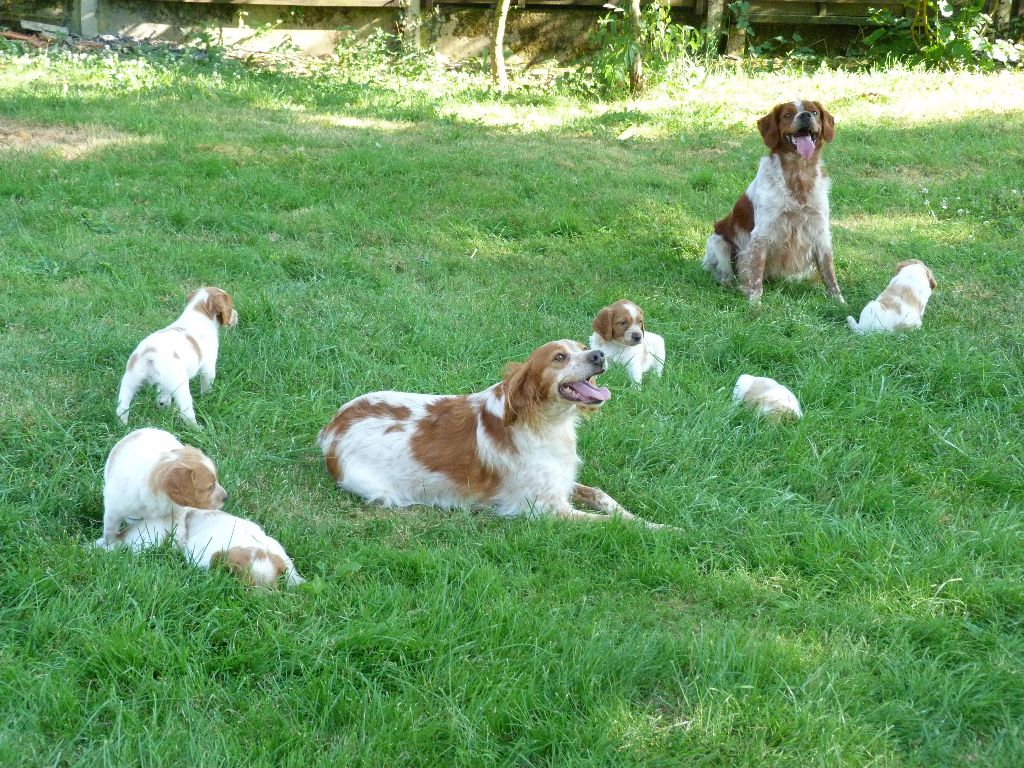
x=767 y=397
x=211 y=538
x=901 y=305
x=170 y=357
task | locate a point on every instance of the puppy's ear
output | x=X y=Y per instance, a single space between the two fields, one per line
x=522 y=392
x=769 y=128
x=602 y=324
x=828 y=123
x=177 y=481
x=931 y=280
x=218 y=306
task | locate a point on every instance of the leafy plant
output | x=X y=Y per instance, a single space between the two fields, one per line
x=939 y=34
x=669 y=50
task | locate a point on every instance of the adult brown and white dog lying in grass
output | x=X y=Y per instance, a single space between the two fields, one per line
x=511 y=447
x=170 y=357
x=779 y=228
x=901 y=305
x=151 y=475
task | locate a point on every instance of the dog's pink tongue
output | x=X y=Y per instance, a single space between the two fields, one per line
x=805 y=146
x=586 y=389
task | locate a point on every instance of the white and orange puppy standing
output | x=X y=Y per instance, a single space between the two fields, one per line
x=901 y=305
x=172 y=356
x=620 y=332
x=510 y=448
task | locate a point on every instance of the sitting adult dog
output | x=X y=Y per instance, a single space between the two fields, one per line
x=779 y=228
x=511 y=447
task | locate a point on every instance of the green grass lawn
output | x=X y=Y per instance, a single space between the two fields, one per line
x=847 y=590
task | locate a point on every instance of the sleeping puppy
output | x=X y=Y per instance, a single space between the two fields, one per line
x=619 y=332
x=170 y=357
x=151 y=475
x=210 y=538
x=901 y=305
x=779 y=228
x=511 y=448
x=767 y=396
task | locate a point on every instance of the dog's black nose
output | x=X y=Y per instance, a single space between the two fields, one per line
x=637 y=336
x=596 y=356
x=804 y=118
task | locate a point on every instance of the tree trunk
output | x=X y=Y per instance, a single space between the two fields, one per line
x=498 y=73
x=716 y=11
x=636 y=61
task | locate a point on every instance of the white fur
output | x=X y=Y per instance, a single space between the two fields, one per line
x=537 y=476
x=778 y=216
x=648 y=354
x=127 y=495
x=169 y=360
x=767 y=396
x=875 y=317
x=202 y=533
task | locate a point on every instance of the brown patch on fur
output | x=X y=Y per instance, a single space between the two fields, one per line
x=218 y=305
x=195 y=346
x=239 y=562
x=801 y=176
x=739 y=220
x=609 y=321
x=186 y=479
x=395 y=428
x=445 y=442
x=132 y=361
x=906 y=294
x=349 y=414
x=496 y=430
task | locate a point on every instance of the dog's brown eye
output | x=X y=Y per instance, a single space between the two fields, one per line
x=788 y=115
x=560 y=356
x=815 y=113
x=622 y=322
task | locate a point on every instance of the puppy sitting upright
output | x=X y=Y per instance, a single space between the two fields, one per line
x=173 y=355
x=619 y=332
x=150 y=475
x=779 y=228
x=901 y=305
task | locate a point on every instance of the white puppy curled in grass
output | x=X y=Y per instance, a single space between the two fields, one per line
x=211 y=538
x=901 y=305
x=767 y=397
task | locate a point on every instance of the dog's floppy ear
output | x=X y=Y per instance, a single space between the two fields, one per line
x=220 y=306
x=769 y=128
x=522 y=392
x=828 y=123
x=176 y=480
x=602 y=324
x=931 y=279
